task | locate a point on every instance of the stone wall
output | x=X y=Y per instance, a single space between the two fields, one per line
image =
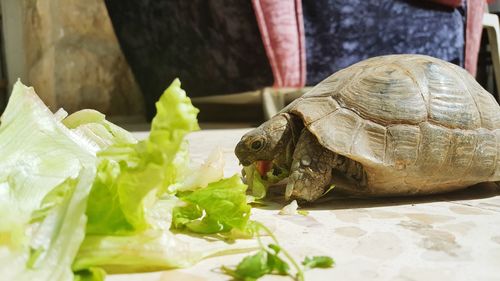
x=73 y=58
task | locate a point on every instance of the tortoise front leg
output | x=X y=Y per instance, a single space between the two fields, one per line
x=311 y=171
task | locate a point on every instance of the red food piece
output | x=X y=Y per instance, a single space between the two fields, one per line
x=263 y=167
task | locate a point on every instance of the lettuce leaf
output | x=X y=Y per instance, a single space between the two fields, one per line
x=156 y=248
x=318 y=262
x=258 y=184
x=46 y=171
x=219 y=207
x=153 y=249
x=200 y=176
x=93 y=125
x=131 y=175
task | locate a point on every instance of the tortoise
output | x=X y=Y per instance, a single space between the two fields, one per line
x=387 y=126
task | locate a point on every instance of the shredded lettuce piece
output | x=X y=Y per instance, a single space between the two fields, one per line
x=290 y=209
x=219 y=207
x=130 y=175
x=93 y=125
x=318 y=262
x=256 y=184
x=157 y=248
x=259 y=185
x=200 y=176
x=147 y=251
x=46 y=171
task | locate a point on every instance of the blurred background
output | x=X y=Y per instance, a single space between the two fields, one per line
x=239 y=61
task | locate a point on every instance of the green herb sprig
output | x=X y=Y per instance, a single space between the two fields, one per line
x=268 y=261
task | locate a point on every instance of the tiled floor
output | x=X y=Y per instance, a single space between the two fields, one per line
x=452 y=236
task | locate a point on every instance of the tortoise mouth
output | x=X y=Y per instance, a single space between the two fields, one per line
x=263 y=166
x=269 y=171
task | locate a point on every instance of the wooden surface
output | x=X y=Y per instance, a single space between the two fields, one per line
x=454 y=236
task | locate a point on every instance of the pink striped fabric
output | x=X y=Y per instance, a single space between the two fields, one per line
x=475 y=12
x=282 y=31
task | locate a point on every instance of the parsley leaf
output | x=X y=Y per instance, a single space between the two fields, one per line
x=265 y=261
x=251 y=267
x=275 y=262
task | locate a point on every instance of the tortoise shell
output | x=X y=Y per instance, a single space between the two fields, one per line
x=417 y=124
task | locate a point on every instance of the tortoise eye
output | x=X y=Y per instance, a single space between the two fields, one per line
x=256 y=145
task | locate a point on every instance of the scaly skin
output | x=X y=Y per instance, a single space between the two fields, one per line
x=311 y=170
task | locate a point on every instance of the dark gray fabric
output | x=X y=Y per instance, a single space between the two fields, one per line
x=342 y=32
x=214 y=47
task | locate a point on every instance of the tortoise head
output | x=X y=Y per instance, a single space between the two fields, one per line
x=266 y=142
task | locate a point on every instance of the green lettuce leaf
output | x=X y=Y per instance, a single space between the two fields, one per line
x=146 y=251
x=156 y=248
x=259 y=185
x=256 y=184
x=153 y=249
x=219 y=207
x=318 y=262
x=93 y=125
x=46 y=171
x=200 y=176
x=131 y=175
